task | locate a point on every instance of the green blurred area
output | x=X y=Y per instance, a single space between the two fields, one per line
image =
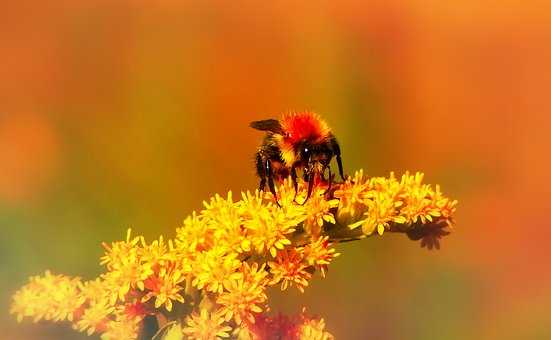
x=128 y=114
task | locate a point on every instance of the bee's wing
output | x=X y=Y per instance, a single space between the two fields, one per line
x=271 y=125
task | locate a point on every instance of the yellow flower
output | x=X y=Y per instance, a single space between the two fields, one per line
x=49 y=297
x=381 y=212
x=131 y=273
x=254 y=273
x=127 y=269
x=94 y=291
x=122 y=328
x=117 y=252
x=286 y=194
x=95 y=317
x=423 y=203
x=214 y=268
x=165 y=287
x=155 y=252
x=250 y=202
x=388 y=203
x=225 y=218
x=195 y=236
x=267 y=227
x=206 y=326
x=222 y=214
x=317 y=210
x=296 y=327
x=289 y=268
x=242 y=298
x=318 y=253
x=313 y=329
x=351 y=198
x=224 y=258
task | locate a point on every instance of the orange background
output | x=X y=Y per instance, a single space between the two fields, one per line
x=130 y=113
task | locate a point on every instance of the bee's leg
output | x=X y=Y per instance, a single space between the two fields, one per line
x=311 y=177
x=295 y=182
x=322 y=172
x=271 y=185
x=310 y=188
x=337 y=152
x=330 y=180
x=260 y=172
x=339 y=163
x=262 y=184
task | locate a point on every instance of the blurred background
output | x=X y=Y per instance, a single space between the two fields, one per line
x=130 y=113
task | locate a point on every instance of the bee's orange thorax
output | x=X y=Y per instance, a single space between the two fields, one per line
x=303 y=126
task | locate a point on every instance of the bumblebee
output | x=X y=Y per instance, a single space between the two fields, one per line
x=298 y=141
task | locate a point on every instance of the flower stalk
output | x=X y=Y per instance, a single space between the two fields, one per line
x=211 y=280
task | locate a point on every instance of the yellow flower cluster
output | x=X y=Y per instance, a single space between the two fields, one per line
x=209 y=326
x=48 y=297
x=211 y=279
x=388 y=204
x=298 y=327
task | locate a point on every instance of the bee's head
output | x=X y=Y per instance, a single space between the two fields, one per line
x=309 y=153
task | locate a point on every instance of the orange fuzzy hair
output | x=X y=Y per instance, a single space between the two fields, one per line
x=297 y=127
x=304 y=126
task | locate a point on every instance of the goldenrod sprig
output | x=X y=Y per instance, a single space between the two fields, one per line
x=211 y=280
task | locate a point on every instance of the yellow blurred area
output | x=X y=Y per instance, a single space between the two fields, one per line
x=130 y=113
